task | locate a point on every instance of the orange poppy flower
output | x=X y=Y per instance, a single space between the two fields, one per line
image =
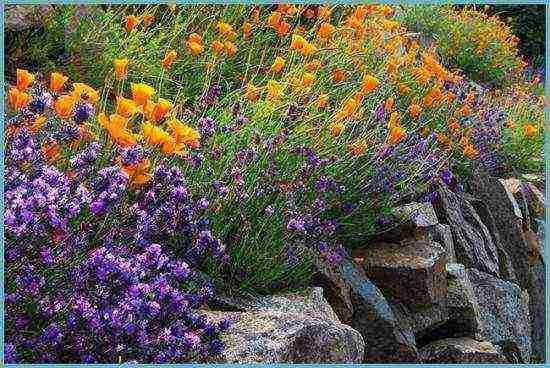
x=313 y=65
x=278 y=64
x=358 y=148
x=530 y=130
x=469 y=151
x=274 y=19
x=274 y=90
x=224 y=28
x=18 y=99
x=57 y=80
x=397 y=134
x=298 y=42
x=388 y=104
x=434 y=96
x=184 y=134
x=138 y=174
x=339 y=75
x=217 y=47
x=148 y=20
x=369 y=84
x=24 y=79
x=307 y=79
x=141 y=93
x=325 y=30
x=322 y=101
x=230 y=48
x=116 y=126
x=125 y=107
x=131 y=22
x=64 y=105
x=195 y=48
x=154 y=135
x=415 y=110
x=82 y=91
x=252 y=93
x=247 y=30
x=336 y=128
x=161 y=108
x=120 y=68
x=169 y=59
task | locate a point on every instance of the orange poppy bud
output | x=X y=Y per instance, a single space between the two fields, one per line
x=404 y=89
x=120 y=68
x=278 y=64
x=282 y=28
x=24 y=79
x=397 y=134
x=18 y=99
x=252 y=93
x=369 y=84
x=388 y=104
x=125 y=107
x=131 y=22
x=230 y=48
x=64 y=105
x=57 y=80
x=169 y=59
x=322 y=101
x=161 y=108
x=141 y=93
x=247 y=30
x=274 y=19
x=193 y=37
x=530 y=130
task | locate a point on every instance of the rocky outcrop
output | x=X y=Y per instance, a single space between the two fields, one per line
x=505 y=313
x=461 y=350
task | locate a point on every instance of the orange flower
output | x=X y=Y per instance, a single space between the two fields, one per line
x=131 y=22
x=18 y=99
x=454 y=125
x=64 y=106
x=156 y=136
x=325 y=30
x=194 y=37
x=530 y=130
x=138 y=174
x=38 y=124
x=120 y=68
x=184 y=134
x=282 y=28
x=358 y=148
x=252 y=93
x=415 y=110
x=194 y=48
x=322 y=101
x=469 y=151
x=434 y=96
x=24 y=79
x=338 y=75
x=511 y=124
x=336 y=128
x=230 y=48
x=388 y=104
x=313 y=65
x=57 y=80
x=464 y=110
x=404 y=89
x=161 y=108
x=82 y=91
x=278 y=64
x=224 y=28
x=217 y=47
x=141 y=93
x=51 y=149
x=247 y=30
x=148 y=20
x=395 y=120
x=397 y=134
x=369 y=84
x=274 y=90
x=274 y=19
x=116 y=127
x=169 y=59
x=125 y=107
x=307 y=79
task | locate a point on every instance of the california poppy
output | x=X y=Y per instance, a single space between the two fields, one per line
x=230 y=48
x=64 y=106
x=274 y=90
x=120 y=68
x=57 y=80
x=18 y=99
x=184 y=133
x=358 y=147
x=530 y=130
x=169 y=59
x=125 y=107
x=24 y=79
x=162 y=107
x=131 y=22
x=217 y=47
x=278 y=64
x=369 y=84
x=84 y=92
x=252 y=93
x=116 y=126
x=141 y=93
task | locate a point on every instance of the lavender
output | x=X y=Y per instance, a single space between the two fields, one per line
x=211 y=95
x=83 y=112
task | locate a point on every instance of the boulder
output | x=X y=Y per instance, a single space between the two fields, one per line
x=473 y=243
x=421 y=214
x=505 y=313
x=412 y=273
x=461 y=350
x=385 y=339
x=441 y=233
x=275 y=337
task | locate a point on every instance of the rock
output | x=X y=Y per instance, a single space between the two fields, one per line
x=20 y=17
x=473 y=243
x=510 y=189
x=421 y=322
x=276 y=337
x=509 y=228
x=385 y=339
x=309 y=302
x=421 y=214
x=462 y=350
x=464 y=311
x=537 y=308
x=441 y=233
x=505 y=312
x=412 y=273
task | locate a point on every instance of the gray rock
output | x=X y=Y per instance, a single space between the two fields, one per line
x=505 y=312
x=537 y=308
x=462 y=350
x=473 y=243
x=276 y=337
x=511 y=186
x=421 y=322
x=385 y=339
x=509 y=228
x=412 y=273
x=441 y=233
x=421 y=214
x=464 y=311
x=20 y=17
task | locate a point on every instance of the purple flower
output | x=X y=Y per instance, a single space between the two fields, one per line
x=83 y=112
x=131 y=155
x=206 y=127
x=296 y=224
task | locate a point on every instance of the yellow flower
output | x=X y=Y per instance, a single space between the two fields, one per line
x=278 y=64
x=57 y=80
x=369 y=84
x=64 y=105
x=125 y=107
x=184 y=134
x=120 y=68
x=18 y=99
x=307 y=79
x=161 y=108
x=358 y=148
x=155 y=136
x=141 y=93
x=252 y=93
x=24 y=79
x=274 y=90
x=84 y=92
